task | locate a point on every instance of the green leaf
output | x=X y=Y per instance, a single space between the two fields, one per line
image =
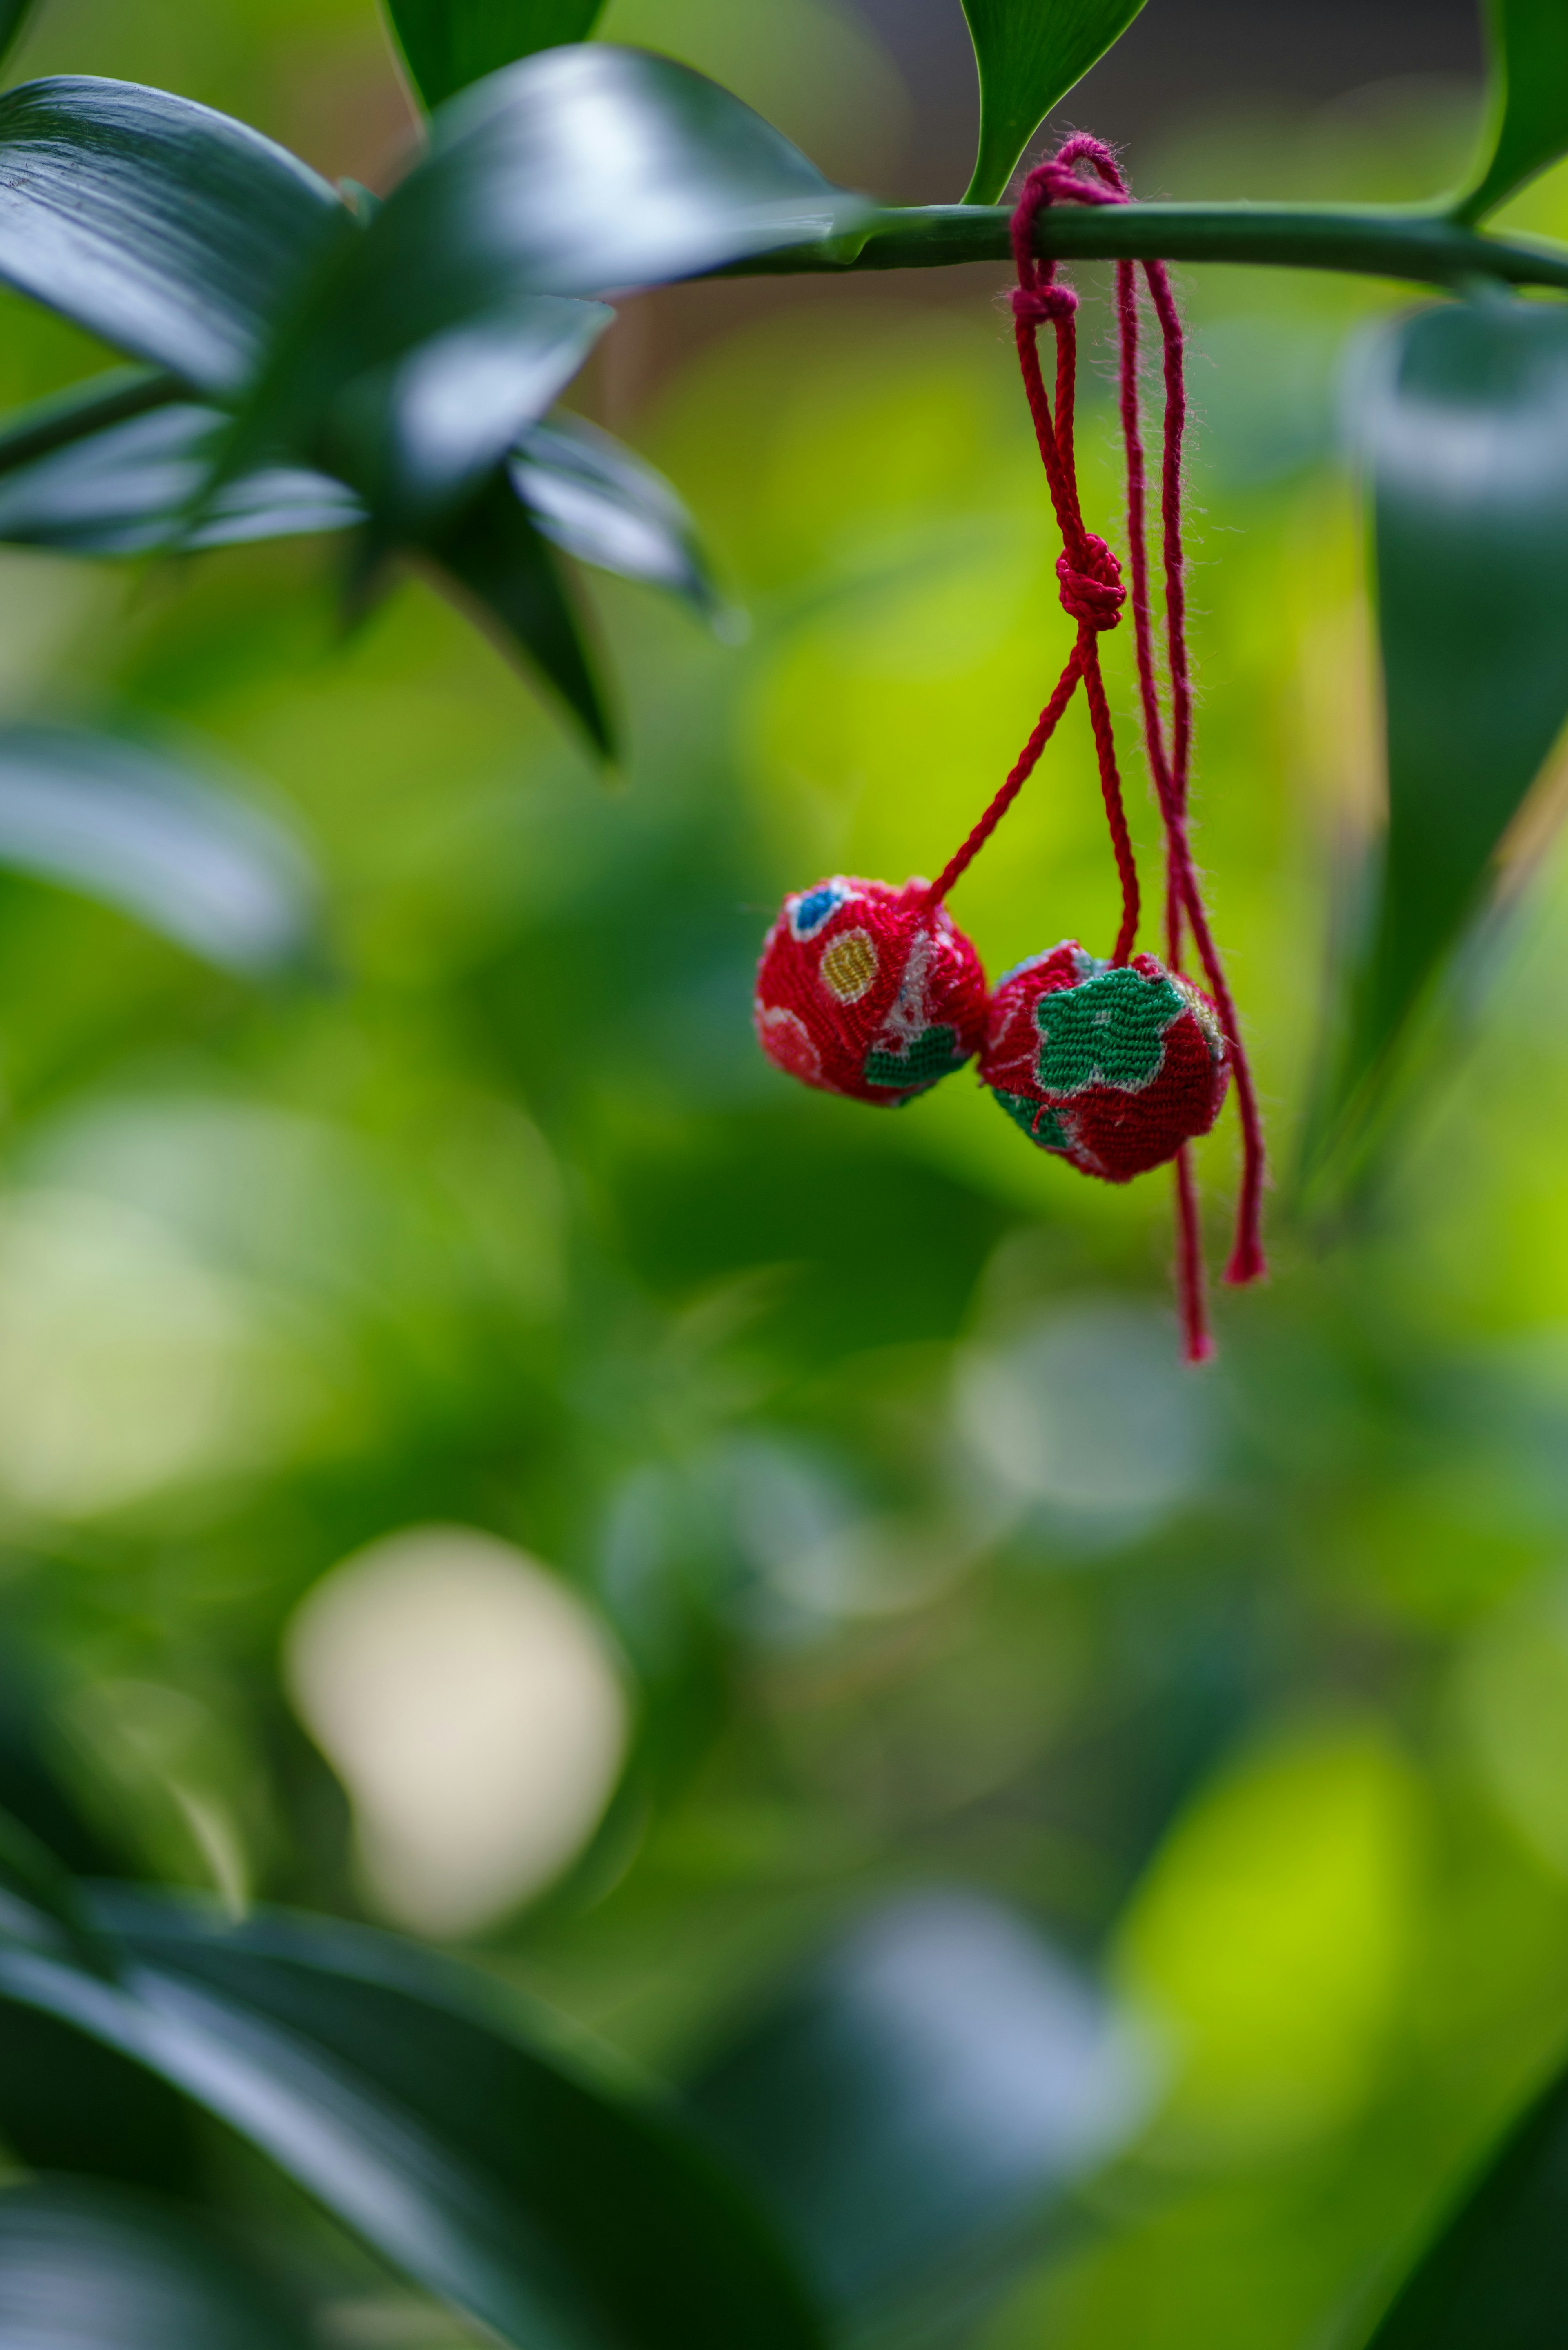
x=36 y=1891
x=599 y=502
x=1030 y=53
x=132 y=825
x=93 y=2268
x=168 y=230
x=1528 y=127
x=1497 y=2271
x=666 y=2252
x=493 y=559
x=418 y=435
x=130 y=488
x=84 y=409
x=1465 y=423
x=447 y=44
x=938 y=2076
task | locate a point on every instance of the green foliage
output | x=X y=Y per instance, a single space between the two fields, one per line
x=1030 y=53
x=1529 y=121
x=1497 y=2271
x=14 y=21
x=137 y=828
x=447 y=44
x=91 y=2268
x=1465 y=423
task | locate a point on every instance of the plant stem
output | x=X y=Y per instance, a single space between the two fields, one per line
x=1423 y=247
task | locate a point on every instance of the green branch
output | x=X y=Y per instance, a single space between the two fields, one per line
x=1422 y=247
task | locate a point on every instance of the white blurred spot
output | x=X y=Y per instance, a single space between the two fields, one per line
x=471 y=1707
x=1089 y=1410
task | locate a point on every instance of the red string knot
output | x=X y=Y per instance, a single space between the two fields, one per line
x=1091 y=590
x=1034 y=306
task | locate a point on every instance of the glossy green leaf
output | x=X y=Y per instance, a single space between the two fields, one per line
x=447 y=44
x=91 y=2268
x=668 y=2253
x=1030 y=53
x=373 y=2165
x=1466 y=426
x=128 y=490
x=500 y=570
x=165 y=228
x=599 y=502
x=1497 y=2271
x=936 y=2075
x=1528 y=125
x=132 y=827
x=418 y=435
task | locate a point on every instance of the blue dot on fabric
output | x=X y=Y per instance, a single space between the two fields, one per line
x=810 y=912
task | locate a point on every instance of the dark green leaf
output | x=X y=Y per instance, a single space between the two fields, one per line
x=1466 y=416
x=39 y=1902
x=408 y=2194
x=129 y=489
x=1030 y=53
x=165 y=228
x=85 y=409
x=420 y=433
x=670 y=2255
x=13 y=16
x=936 y=2075
x=604 y=505
x=447 y=44
x=504 y=572
x=92 y=2268
x=131 y=826
x=1497 y=2273
x=1528 y=127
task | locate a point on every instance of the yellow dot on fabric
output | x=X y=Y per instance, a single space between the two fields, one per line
x=849 y=965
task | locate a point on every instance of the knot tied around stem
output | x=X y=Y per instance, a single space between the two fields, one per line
x=1090 y=585
x=1039 y=301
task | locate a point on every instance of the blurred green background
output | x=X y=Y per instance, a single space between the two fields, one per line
x=910 y=1556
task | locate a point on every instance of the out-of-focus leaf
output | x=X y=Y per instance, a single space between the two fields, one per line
x=939 y=2073
x=1030 y=53
x=447 y=44
x=406 y=2192
x=14 y=16
x=668 y=2253
x=85 y=409
x=92 y=2268
x=506 y=577
x=1466 y=420
x=35 y=1890
x=1498 y=2271
x=134 y=828
x=420 y=433
x=128 y=489
x=168 y=230
x=1528 y=127
x=606 y=507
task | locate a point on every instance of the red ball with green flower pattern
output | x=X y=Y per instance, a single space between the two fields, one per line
x=868 y=990
x=1113 y=1066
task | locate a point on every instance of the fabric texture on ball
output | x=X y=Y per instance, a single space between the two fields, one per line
x=868 y=990
x=1113 y=1067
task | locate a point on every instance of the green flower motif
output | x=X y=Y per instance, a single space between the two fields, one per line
x=1107 y=1030
x=1041 y=1125
x=934 y=1054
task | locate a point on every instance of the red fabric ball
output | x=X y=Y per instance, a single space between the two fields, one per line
x=1113 y=1067
x=868 y=990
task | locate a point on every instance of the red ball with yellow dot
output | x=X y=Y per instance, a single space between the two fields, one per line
x=868 y=990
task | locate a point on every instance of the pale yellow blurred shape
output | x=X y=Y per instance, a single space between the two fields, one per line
x=1269 y=1939
x=1512 y=1694
x=125 y=1364
x=470 y=1705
